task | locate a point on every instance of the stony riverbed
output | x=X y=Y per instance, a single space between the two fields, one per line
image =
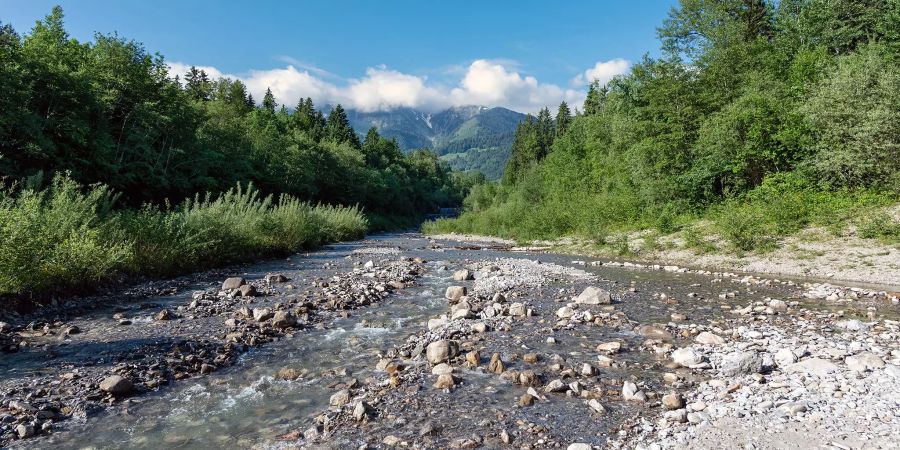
x=401 y=341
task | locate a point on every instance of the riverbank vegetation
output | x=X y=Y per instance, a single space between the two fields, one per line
x=112 y=164
x=760 y=117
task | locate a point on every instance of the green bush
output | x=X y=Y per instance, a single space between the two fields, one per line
x=62 y=238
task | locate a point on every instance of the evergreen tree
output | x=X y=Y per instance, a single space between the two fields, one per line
x=338 y=129
x=563 y=118
x=268 y=102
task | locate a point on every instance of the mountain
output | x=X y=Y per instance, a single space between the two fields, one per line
x=466 y=137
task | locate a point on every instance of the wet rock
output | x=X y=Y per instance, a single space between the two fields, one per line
x=233 y=283
x=593 y=295
x=595 y=405
x=73 y=330
x=340 y=398
x=283 y=319
x=741 y=363
x=288 y=374
x=528 y=378
x=117 y=385
x=530 y=358
x=273 y=278
x=565 y=312
x=24 y=431
x=687 y=357
x=630 y=392
x=248 y=290
x=653 y=332
x=262 y=314
x=454 y=293
x=441 y=351
x=444 y=381
x=164 y=315
x=673 y=401
x=526 y=400
x=708 y=338
x=463 y=275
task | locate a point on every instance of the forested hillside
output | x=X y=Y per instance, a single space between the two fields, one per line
x=762 y=116
x=185 y=172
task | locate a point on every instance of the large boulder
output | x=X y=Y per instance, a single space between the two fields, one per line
x=864 y=361
x=593 y=295
x=687 y=357
x=441 y=351
x=233 y=283
x=708 y=338
x=813 y=366
x=463 y=275
x=454 y=293
x=283 y=319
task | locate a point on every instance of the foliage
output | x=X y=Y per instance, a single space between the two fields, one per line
x=64 y=238
x=763 y=116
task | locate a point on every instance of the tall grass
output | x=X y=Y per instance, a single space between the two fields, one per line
x=69 y=238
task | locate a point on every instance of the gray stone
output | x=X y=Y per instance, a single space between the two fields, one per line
x=463 y=275
x=233 y=283
x=687 y=357
x=741 y=363
x=708 y=338
x=454 y=293
x=441 y=351
x=813 y=366
x=117 y=385
x=864 y=361
x=283 y=319
x=593 y=295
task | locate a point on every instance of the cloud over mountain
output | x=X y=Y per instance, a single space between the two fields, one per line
x=483 y=82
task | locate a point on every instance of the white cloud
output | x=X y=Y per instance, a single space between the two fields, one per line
x=483 y=82
x=177 y=68
x=603 y=71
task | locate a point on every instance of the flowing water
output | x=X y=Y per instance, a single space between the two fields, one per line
x=246 y=404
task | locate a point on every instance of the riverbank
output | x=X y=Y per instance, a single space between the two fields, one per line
x=813 y=253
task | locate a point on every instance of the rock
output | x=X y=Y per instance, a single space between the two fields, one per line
x=630 y=392
x=565 y=312
x=593 y=295
x=391 y=441
x=708 y=338
x=741 y=363
x=495 y=365
x=462 y=313
x=588 y=370
x=442 y=369
x=24 y=430
x=852 y=325
x=595 y=405
x=262 y=314
x=340 y=398
x=454 y=293
x=678 y=317
x=530 y=358
x=441 y=351
x=444 y=381
x=687 y=357
x=653 y=332
x=578 y=446
x=778 y=305
x=673 y=401
x=526 y=400
x=678 y=416
x=555 y=386
x=248 y=290
x=473 y=358
x=164 y=315
x=233 y=283
x=479 y=327
x=528 y=378
x=437 y=323
x=362 y=411
x=609 y=347
x=864 y=361
x=73 y=330
x=369 y=265
x=116 y=385
x=283 y=319
x=784 y=357
x=275 y=278
x=463 y=275
x=517 y=310
x=288 y=373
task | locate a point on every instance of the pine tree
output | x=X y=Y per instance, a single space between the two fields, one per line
x=563 y=118
x=594 y=100
x=268 y=102
x=338 y=127
x=250 y=102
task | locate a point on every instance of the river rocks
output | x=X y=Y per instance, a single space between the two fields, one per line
x=526 y=399
x=813 y=366
x=262 y=314
x=593 y=295
x=442 y=369
x=687 y=357
x=555 y=386
x=273 y=278
x=233 y=283
x=595 y=405
x=473 y=359
x=517 y=310
x=288 y=374
x=495 y=365
x=565 y=312
x=784 y=357
x=708 y=338
x=116 y=385
x=24 y=431
x=283 y=319
x=340 y=398
x=444 y=381
x=529 y=378
x=653 y=332
x=248 y=290
x=609 y=347
x=362 y=411
x=673 y=401
x=864 y=361
x=461 y=313
x=437 y=323
x=741 y=363
x=530 y=358
x=454 y=293
x=463 y=275
x=441 y=351
x=579 y=446
x=164 y=315
x=630 y=392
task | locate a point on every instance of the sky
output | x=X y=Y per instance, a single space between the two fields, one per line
x=379 y=54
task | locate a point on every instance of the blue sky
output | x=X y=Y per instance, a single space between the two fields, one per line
x=380 y=54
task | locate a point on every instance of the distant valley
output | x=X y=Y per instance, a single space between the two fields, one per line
x=467 y=137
